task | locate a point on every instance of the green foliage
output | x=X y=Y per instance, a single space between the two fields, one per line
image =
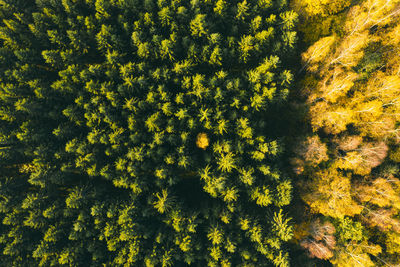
x=101 y=106
x=281 y=226
x=350 y=230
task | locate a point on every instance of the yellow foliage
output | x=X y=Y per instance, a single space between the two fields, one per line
x=383 y=219
x=318 y=52
x=381 y=192
x=27 y=168
x=350 y=50
x=356 y=255
x=329 y=193
x=392 y=36
x=315 y=28
x=352 y=86
x=336 y=84
x=374 y=107
x=393 y=242
x=333 y=119
x=202 y=140
x=309 y=8
x=363 y=159
x=370 y=13
x=367 y=111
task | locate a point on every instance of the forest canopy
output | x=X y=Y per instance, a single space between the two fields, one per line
x=200 y=133
x=348 y=161
x=135 y=133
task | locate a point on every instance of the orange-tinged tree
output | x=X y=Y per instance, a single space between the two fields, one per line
x=312 y=151
x=383 y=192
x=319 y=240
x=361 y=160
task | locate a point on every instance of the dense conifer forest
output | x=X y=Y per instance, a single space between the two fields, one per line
x=200 y=133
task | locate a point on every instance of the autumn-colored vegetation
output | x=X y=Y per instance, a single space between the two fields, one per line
x=200 y=133
x=347 y=163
